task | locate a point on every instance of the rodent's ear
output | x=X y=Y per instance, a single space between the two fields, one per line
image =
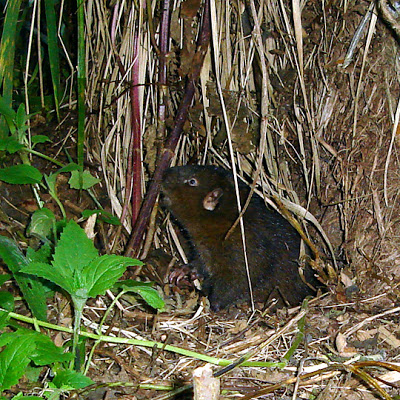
x=210 y=202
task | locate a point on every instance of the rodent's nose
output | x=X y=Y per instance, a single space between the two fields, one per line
x=165 y=201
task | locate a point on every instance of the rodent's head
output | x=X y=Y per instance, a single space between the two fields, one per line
x=196 y=190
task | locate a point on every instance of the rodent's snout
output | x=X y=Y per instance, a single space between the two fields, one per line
x=165 y=201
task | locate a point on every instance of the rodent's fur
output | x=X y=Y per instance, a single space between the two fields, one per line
x=202 y=200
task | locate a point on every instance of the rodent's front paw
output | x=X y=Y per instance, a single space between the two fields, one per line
x=183 y=276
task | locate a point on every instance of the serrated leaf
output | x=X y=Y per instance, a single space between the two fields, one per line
x=145 y=290
x=42 y=222
x=20 y=174
x=47 y=271
x=11 y=254
x=105 y=216
x=46 y=352
x=71 y=379
x=40 y=139
x=41 y=255
x=74 y=250
x=6 y=301
x=87 y=180
x=104 y=271
x=13 y=361
x=73 y=253
x=32 y=288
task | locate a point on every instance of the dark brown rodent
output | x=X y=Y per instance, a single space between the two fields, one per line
x=203 y=202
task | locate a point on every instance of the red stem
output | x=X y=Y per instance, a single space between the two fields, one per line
x=169 y=148
x=136 y=135
x=134 y=165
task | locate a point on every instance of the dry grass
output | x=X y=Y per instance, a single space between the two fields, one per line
x=282 y=111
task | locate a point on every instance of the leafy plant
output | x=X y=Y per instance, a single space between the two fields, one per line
x=34 y=290
x=23 y=347
x=25 y=173
x=77 y=269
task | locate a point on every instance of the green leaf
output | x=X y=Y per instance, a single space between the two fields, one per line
x=32 y=288
x=69 y=168
x=74 y=251
x=4 y=318
x=51 y=181
x=129 y=285
x=151 y=297
x=20 y=174
x=105 y=216
x=10 y=144
x=7 y=338
x=40 y=139
x=47 y=271
x=61 y=224
x=87 y=180
x=42 y=223
x=144 y=289
x=22 y=346
x=72 y=379
x=41 y=255
x=4 y=278
x=6 y=301
x=14 y=359
x=104 y=271
x=46 y=352
x=21 y=116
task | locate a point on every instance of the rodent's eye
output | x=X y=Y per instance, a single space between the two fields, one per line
x=192 y=182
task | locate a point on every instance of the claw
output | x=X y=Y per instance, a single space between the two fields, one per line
x=179 y=275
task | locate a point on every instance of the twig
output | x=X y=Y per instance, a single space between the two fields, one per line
x=169 y=148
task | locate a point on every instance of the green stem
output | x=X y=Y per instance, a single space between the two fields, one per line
x=300 y=334
x=57 y=200
x=144 y=343
x=78 y=310
x=36 y=153
x=24 y=157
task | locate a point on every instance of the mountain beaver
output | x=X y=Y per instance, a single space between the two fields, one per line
x=202 y=200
